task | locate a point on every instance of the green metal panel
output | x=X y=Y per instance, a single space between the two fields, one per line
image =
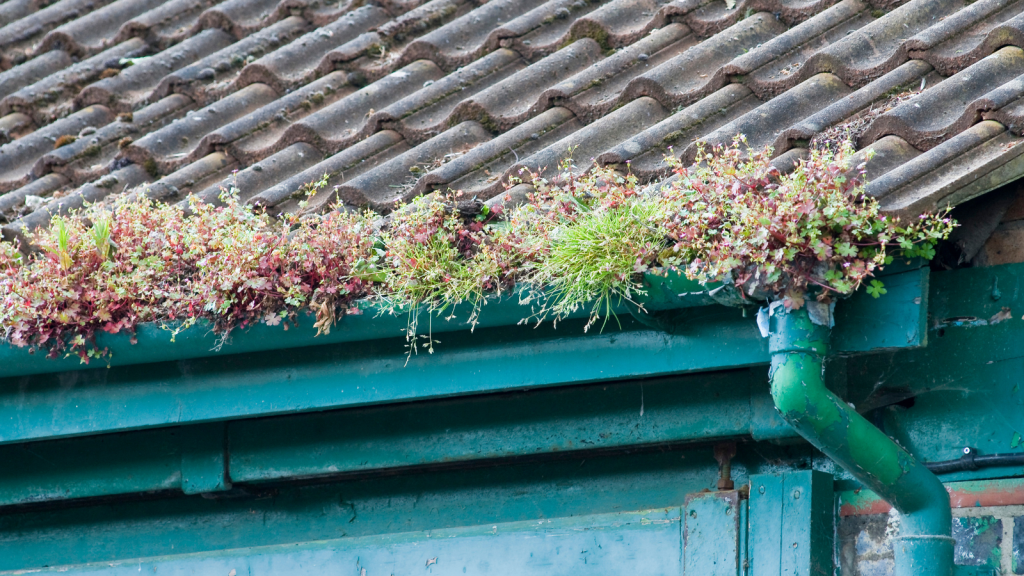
x=711 y=534
x=967 y=384
x=658 y=411
x=204 y=458
x=371 y=505
x=644 y=542
x=765 y=518
x=92 y=466
x=791 y=524
x=324 y=377
x=808 y=535
x=444 y=432
x=899 y=319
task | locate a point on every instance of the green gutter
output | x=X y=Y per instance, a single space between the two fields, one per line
x=896 y=321
x=798 y=348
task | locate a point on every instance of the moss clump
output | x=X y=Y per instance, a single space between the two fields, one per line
x=64 y=141
x=151 y=168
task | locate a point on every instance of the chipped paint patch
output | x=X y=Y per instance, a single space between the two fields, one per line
x=978 y=541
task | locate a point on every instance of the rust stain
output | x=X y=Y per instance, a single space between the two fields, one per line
x=971 y=494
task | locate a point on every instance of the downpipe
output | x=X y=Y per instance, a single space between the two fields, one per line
x=798 y=348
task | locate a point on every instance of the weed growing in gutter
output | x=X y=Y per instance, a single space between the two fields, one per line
x=579 y=242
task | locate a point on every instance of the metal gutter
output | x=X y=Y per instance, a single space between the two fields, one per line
x=798 y=348
x=896 y=321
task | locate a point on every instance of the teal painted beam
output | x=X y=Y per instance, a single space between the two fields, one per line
x=893 y=321
x=692 y=408
x=677 y=409
x=644 y=542
x=359 y=374
x=104 y=465
x=204 y=458
x=376 y=505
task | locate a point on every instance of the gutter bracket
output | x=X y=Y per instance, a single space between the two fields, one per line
x=204 y=458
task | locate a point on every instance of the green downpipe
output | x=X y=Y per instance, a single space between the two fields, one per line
x=798 y=348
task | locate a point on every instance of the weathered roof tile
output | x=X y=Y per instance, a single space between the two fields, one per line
x=524 y=94
x=954 y=105
x=97 y=30
x=172 y=145
x=134 y=84
x=763 y=125
x=394 y=180
x=699 y=71
x=18 y=157
x=402 y=97
x=296 y=63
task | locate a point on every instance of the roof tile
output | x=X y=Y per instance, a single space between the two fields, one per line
x=214 y=75
x=166 y=24
x=134 y=84
x=345 y=165
x=907 y=75
x=14 y=36
x=96 y=31
x=426 y=112
x=646 y=150
x=967 y=36
x=468 y=37
x=699 y=71
x=172 y=145
x=340 y=124
x=297 y=63
x=400 y=97
x=18 y=157
x=32 y=71
x=394 y=180
x=763 y=125
x=880 y=46
x=265 y=173
x=524 y=94
x=929 y=180
x=952 y=106
x=50 y=96
x=196 y=176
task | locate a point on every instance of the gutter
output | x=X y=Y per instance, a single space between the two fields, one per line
x=798 y=348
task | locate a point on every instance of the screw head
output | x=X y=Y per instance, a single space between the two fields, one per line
x=760 y=490
x=796 y=494
x=967 y=450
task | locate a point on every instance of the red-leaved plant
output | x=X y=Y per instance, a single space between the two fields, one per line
x=734 y=217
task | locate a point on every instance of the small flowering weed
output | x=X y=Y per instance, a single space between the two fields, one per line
x=732 y=217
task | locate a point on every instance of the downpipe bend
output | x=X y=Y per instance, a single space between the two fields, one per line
x=798 y=348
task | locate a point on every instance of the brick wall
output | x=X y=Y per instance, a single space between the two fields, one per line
x=986 y=537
